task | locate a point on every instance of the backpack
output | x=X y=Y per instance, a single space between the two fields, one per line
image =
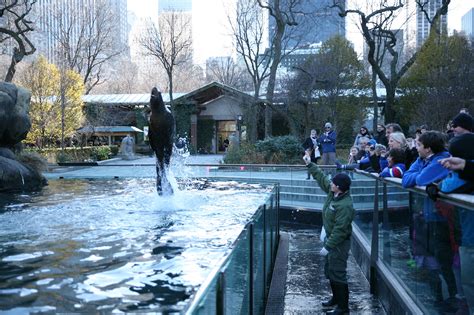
x=453 y=184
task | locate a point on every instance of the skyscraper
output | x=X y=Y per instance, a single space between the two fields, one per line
x=178 y=12
x=467 y=23
x=76 y=20
x=120 y=27
x=416 y=27
x=423 y=25
x=174 y=5
x=317 y=22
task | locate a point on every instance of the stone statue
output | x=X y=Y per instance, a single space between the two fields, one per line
x=127 y=148
x=161 y=134
x=14 y=126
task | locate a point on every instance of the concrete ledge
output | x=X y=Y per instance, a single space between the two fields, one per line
x=78 y=163
x=108 y=161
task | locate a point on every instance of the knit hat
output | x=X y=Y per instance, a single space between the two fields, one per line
x=372 y=142
x=462 y=146
x=328 y=125
x=463 y=120
x=342 y=181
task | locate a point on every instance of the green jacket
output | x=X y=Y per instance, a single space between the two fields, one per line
x=338 y=212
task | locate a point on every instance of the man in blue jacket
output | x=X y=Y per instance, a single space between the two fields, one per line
x=328 y=145
x=426 y=169
x=432 y=247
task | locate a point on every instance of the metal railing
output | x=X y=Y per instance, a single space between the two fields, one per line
x=418 y=244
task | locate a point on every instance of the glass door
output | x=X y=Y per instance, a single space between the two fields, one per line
x=226 y=129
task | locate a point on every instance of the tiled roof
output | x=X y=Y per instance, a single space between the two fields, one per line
x=132 y=99
x=109 y=129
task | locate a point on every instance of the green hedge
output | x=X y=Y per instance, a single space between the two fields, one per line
x=77 y=154
x=275 y=150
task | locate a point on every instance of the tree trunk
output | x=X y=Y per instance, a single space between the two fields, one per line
x=253 y=120
x=375 y=101
x=272 y=78
x=389 y=104
x=16 y=58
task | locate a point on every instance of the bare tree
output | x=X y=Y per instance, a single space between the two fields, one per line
x=224 y=70
x=122 y=79
x=284 y=12
x=249 y=33
x=188 y=77
x=14 y=30
x=85 y=40
x=170 y=43
x=373 y=26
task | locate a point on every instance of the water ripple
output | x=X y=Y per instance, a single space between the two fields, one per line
x=116 y=245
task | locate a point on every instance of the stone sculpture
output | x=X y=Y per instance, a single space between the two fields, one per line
x=161 y=134
x=127 y=148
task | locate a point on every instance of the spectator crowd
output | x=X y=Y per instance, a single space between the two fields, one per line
x=442 y=236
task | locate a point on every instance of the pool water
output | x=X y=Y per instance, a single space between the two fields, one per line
x=88 y=246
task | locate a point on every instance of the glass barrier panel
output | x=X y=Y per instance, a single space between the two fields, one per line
x=207 y=303
x=463 y=259
x=268 y=244
x=236 y=278
x=420 y=245
x=236 y=269
x=258 y=266
x=363 y=195
x=273 y=220
x=394 y=227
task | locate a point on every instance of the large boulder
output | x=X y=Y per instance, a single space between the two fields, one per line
x=14 y=126
x=16 y=176
x=14 y=120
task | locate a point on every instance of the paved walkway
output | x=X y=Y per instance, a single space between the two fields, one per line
x=306 y=285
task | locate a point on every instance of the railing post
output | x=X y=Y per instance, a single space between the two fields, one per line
x=374 y=248
x=270 y=226
x=278 y=210
x=251 y=271
x=387 y=256
x=220 y=294
x=264 y=250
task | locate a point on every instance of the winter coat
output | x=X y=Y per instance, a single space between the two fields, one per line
x=396 y=170
x=381 y=138
x=308 y=145
x=410 y=156
x=468 y=172
x=357 y=138
x=423 y=172
x=338 y=212
x=328 y=142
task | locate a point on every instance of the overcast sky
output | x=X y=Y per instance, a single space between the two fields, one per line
x=214 y=40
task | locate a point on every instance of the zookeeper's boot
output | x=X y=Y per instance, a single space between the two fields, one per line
x=342 y=295
x=333 y=300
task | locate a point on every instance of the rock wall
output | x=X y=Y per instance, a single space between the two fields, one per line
x=14 y=126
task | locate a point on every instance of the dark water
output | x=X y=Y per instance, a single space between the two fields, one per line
x=88 y=246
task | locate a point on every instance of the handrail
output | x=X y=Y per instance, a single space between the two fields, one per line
x=461 y=200
x=92 y=164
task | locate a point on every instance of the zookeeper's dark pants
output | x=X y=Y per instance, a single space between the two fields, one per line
x=335 y=266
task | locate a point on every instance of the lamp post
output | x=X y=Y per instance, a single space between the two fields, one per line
x=239 y=126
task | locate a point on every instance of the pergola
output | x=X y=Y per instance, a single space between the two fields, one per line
x=110 y=132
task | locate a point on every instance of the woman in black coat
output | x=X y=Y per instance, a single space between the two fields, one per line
x=311 y=146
